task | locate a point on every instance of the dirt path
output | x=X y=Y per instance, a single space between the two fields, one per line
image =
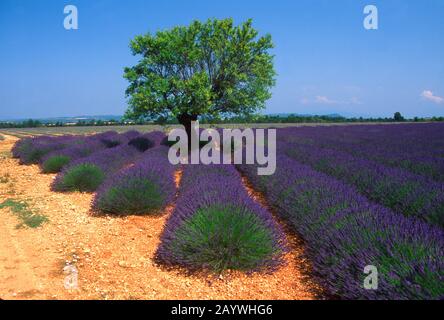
x=15 y=270
x=113 y=256
x=17 y=275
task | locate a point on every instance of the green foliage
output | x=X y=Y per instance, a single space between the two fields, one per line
x=55 y=164
x=208 y=68
x=398 y=117
x=34 y=155
x=134 y=196
x=84 y=177
x=21 y=209
x=24 y=124
x=220 y=238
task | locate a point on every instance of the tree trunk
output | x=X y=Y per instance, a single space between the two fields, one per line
x=185 y=120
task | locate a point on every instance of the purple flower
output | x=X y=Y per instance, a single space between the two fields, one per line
x=103 y=163
x=144 y=188
x=208 y=195
x=344 y=232
x=402 y=191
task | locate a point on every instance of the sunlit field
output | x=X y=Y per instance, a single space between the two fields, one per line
x=343 y=200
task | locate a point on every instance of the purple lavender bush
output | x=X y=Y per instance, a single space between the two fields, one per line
x=131 y=134
x=417 y=148
x=141 y=143
x=87 y=174
x=81 y=147
x=344 y=233
x=111 y=139
x=404 y=192
x=217 y=226
x=54 y=161
x=147 y=140
x=133 y=138
x=19 y=146
x=32 y=150
x=104 y=135
x=144 y=188
x=155 y=136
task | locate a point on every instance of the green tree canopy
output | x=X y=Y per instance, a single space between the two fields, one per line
x=212 y=68
x=398 y=117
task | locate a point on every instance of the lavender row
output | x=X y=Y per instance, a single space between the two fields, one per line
x=413 y=139
x=31 y=150
x=144 y=188
x=55 y=160
x=88 y=173
x=216 y=225
x=52 y=153
x=344 y=233
x=404 y=192
x=416 y=148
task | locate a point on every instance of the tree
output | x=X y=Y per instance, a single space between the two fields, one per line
x=212 y=68
x=398 y=117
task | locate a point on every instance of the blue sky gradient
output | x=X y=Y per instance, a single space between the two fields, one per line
x=326 y=61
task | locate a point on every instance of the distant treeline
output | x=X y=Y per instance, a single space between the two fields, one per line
x=81 y=123
x=214 y=120
x=313 y=119
x=24 y=124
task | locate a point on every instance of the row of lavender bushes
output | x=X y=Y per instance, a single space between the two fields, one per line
x=54 y=161
x=144 y=188
x=32 y=150
x=43 y=149
x=404 y=192
x=86 y=174
x=216 y=225
x=345 y=232
x=94 y=155
x=418 y=148
x=106 y=160
x=418 y=139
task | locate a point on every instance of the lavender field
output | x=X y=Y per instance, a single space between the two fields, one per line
x=364 y=195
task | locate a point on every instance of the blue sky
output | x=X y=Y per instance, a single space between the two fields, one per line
x=326 y=61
